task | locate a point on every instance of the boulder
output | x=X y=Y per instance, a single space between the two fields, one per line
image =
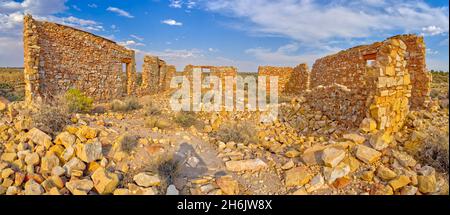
x=356 y=138
x=105 y=182
x=297 y=176
x=33 y=188
x=79 y=187
x=90 y=151
x=39 y=137
x=144 y=179
x=385 y=173
x=367 y=154
x=66 y=139
x=332 y=156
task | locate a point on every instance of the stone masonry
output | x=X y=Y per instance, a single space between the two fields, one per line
x=156 y=75
x=57 y=58
x=420 y=77
x=369 y=81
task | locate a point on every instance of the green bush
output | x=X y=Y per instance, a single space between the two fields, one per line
x=77 y=102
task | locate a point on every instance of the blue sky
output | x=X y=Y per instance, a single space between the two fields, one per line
x=241 y=33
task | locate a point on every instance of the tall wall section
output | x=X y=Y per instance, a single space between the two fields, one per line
x=366 y=81
x=57 y=58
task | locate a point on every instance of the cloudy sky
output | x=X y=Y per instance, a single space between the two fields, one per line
x=242 y=33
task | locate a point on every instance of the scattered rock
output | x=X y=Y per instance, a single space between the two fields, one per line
x=317 y=182
x=427 y=180
x=297 y=176
x=172 y=190
x=404 y=159
x=89 y=152
x=356 y=138
x=39 y=137
x=228 y=185
x=381 y=140
x=367 y=155
x=385 y=173
x=399 y=182
x=332 y=156
x=33 y=188
x=105 y=182
x=245 y=165
x=79 y=187
x=144 y=179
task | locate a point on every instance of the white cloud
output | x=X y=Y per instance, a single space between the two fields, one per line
x=92 y=5
x=310 y=21
x=76 y=8
x=130 y=43
x=120 y=12
x=432 y=52
x=176 y=3
x=432 y=30
x=285 y=55
x=137 y=37
x=180 y=3
x=172 y=22
x=11 y=27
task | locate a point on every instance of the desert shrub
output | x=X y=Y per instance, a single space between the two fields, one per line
x=77 y=102
x=51 y=117
x=187 y=119
x=127 y=143
x=436 y=153
x=129 y=104
x=156 y=122
x=152 y=110
x=242 y=132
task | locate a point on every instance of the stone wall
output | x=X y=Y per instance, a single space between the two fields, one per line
x=57 y=58
x=218 y=71
x=156 y=75
x=416 y=64
x=373 y=83
x=299 y=80
x=283 y=73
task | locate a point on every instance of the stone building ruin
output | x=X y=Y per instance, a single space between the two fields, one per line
x=156 y=75
x=378 y=82
x=57 y=58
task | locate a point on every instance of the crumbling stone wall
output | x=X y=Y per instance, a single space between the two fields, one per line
x=156 y=75
x=283 y=73
x=299 y=80
x=416 y=64
x=218 y=71
x=57 y=58
x=364 y=82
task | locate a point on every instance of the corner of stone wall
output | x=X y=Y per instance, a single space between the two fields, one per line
x=31 y=59
x=390 y=104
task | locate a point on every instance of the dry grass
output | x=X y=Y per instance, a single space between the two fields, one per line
x=242 y=132
x=187 y=119
x=129 y=104
x=436 y=153
x=51 y=117
x=156 y=122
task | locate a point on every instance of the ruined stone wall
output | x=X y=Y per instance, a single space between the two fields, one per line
x=57 y=58
x=156 y=75
x=218 y=71
x=416 y=64
x=299 y=80
x=283 y=73
x=364 y=82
